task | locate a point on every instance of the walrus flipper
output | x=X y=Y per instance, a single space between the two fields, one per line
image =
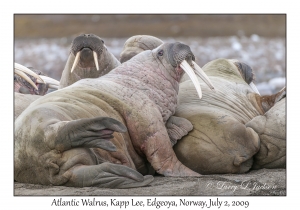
x=264 y=103
x=90 y=133
x=178 y=127
x=107 y=175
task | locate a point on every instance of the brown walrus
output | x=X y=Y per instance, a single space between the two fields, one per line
x=64 y=137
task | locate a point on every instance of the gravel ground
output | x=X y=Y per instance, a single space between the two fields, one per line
x=258 y=182
x=267 y=56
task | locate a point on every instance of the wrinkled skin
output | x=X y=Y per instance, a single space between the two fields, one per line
x=220 y=142
x=76 y=122
x=136 y=44
x=177 y=127
x=84 y=45
x=271 y=128
x=22 y=101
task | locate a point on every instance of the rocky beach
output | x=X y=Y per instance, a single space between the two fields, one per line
x=266 y=56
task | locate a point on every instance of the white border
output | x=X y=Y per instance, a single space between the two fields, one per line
x=54 y=6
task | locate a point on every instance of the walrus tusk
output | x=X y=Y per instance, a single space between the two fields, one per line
x=96 y=60
x=28 y=71
x=190 y=71
x=254 y=88
x=75 y=61
x=52 y=83
x=202 y=75
x=25 y=77
x=52 y=86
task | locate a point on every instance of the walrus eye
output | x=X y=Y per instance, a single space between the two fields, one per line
x=161 y=53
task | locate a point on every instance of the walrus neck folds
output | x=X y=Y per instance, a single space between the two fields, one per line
x=163 y=91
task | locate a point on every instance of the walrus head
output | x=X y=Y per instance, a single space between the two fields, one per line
x=180 y=57
x=247 y=74
x=87 y=48
x=88 y=58
x=136 y=44
x=32 y=81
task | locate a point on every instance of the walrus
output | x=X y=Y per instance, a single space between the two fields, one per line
x=271 y=128
x=234 y=78
x=28 y=81
x=223 y=140
x=65 y=137
x=29 y=85
x=88 y=58
x=136 y=44
x=92 y=60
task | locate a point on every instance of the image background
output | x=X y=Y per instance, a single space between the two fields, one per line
x=43 y=41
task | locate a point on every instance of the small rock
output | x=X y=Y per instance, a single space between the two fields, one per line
x=255 y=38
